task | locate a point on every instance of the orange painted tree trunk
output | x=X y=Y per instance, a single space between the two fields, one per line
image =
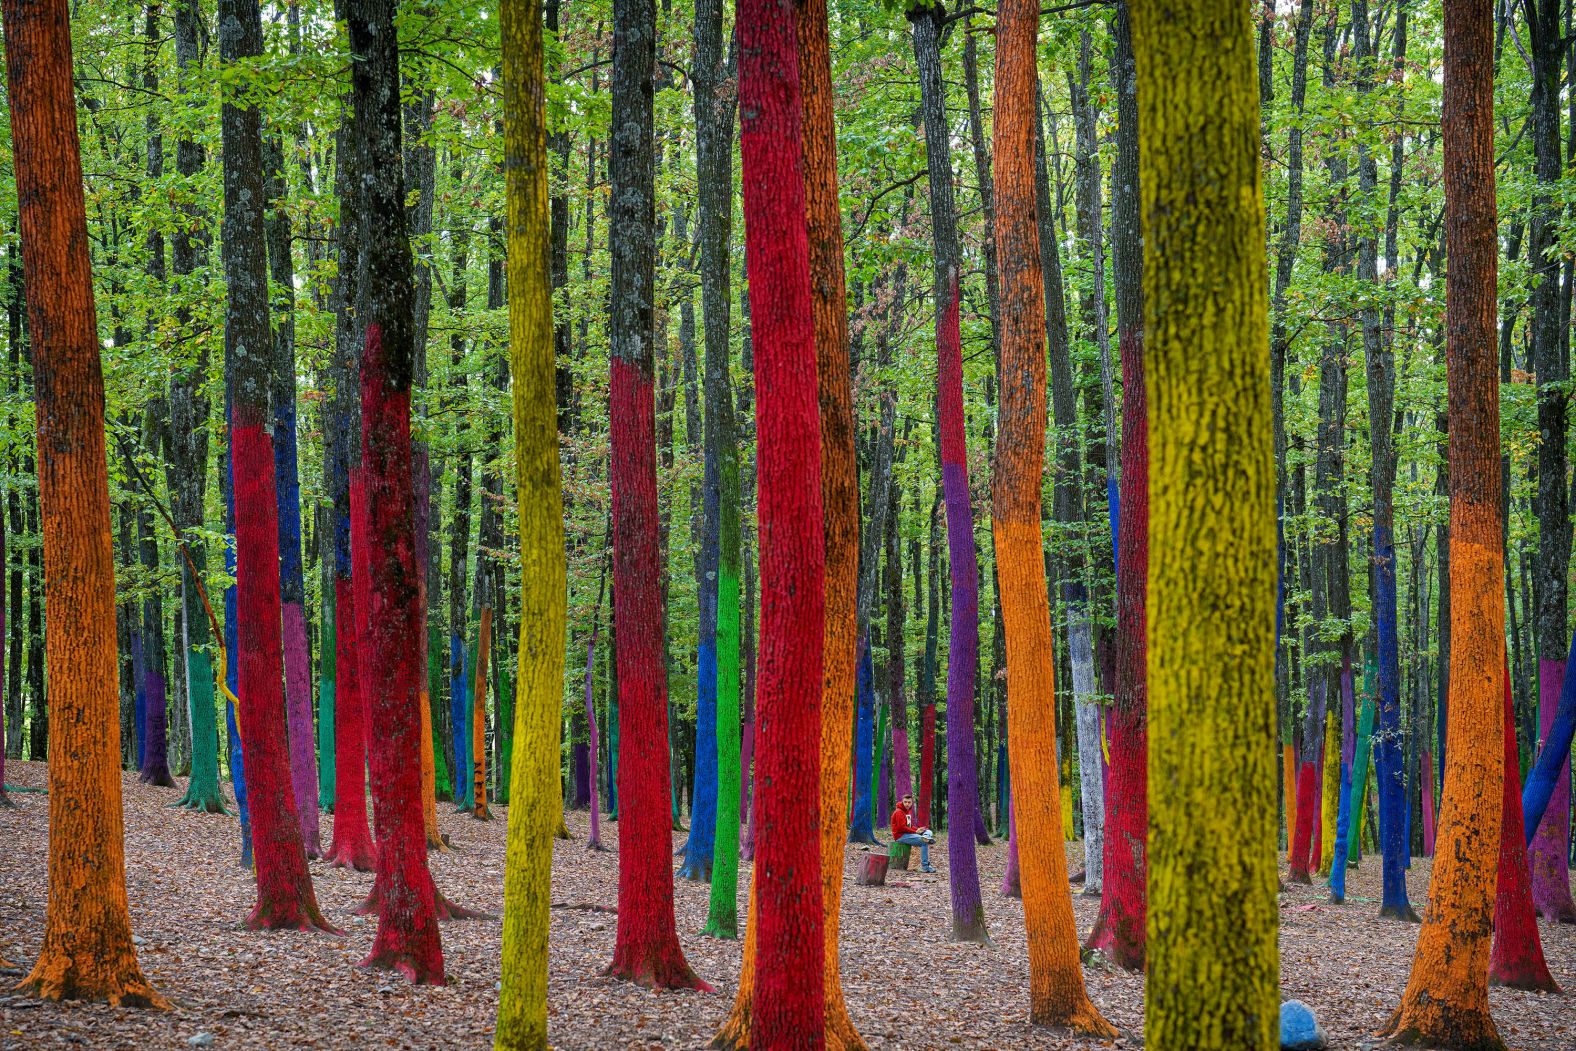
x=479 y=808
x=1446 y=998
x=87 y=952
x=1056 y=989
x=839 y=485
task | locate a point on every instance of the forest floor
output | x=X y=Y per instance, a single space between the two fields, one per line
x=907 y=987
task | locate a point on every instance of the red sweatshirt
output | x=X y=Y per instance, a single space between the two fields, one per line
x=900 y=823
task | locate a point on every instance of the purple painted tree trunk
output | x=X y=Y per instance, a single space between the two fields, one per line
x=582 y=767
x=298 y=715
x=968 y=910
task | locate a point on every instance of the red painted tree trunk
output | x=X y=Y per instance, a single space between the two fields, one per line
x=285 y=898
x=646 y=949
x=1307 y=812
x=383 y=526
x=789 y=1002
x=1517 y=956
x=351 y=846
x=407 y=938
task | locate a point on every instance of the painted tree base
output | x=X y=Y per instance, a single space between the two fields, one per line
x=418 y=971
x=1558 y=914
x=201 y=803
x=1532 y=977
x=695 y=872
x=595 y=844
x=1126 y=953
x=352 y=855
x=58 y=979
x=671 y=972
x=725 y=932
x=1434 y=1025
x=1083 y=1019
x=289 y=916
x=840 y=1034
x=158 y=776
x=1404 y=913
x=563 y=828
x=735 y=1032
x=971 y=932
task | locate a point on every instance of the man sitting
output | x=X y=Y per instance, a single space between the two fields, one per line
x=903 y=831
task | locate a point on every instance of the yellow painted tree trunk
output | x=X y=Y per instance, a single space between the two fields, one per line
x=1330 y=793
x=1212 y=918
x=537 y=810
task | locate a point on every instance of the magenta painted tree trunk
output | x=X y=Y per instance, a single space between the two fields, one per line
x=1549 y=854
x=1517 y=956
x=1011 y=883
x=1428 y=804
x=1119 y=928
x=594 y=840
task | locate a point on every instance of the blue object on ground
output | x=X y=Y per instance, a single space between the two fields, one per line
x=1298 y=1029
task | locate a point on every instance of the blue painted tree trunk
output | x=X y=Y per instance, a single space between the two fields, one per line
x=459 y=706
x=1555 y=755
x=703 y=797
x=1113 y=506
x=861 y=826
x=1394 y=815
x=292 y=592
x=1344 y=806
